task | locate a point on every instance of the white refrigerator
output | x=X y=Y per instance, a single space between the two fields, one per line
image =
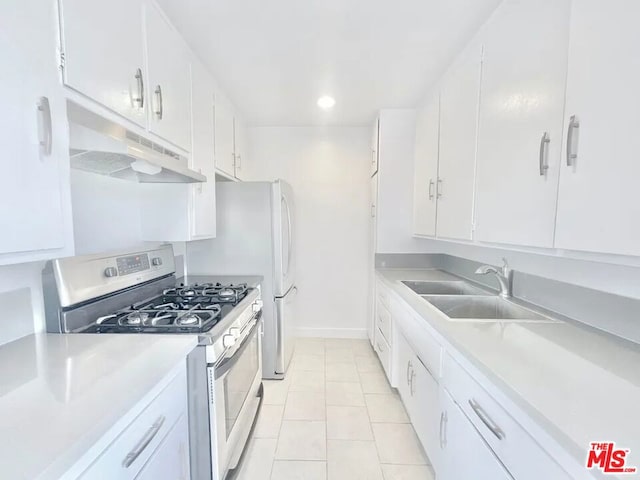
x=255 y=237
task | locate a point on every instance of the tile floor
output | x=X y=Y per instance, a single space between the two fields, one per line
x=334 y=417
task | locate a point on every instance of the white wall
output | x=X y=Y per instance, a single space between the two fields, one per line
x=328 y=168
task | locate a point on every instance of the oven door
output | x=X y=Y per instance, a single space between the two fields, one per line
x=236 y=384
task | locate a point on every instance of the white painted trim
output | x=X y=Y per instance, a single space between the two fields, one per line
x=311 y=332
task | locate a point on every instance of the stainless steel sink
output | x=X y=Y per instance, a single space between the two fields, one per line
x=455 y=287
x=489 y=308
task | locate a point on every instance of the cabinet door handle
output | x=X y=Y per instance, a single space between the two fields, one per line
x=486 y=419
x=413 y=376
x=373 y=157
x=373 y=210
x=431 y=183
x=544 y=154
x=574 y=124
x=160 y=108
x=139 y=100
x=144 y=442
x=439 y=188
x=46 y=134
x=442 y=437
x=408 y=369
x=239 y=162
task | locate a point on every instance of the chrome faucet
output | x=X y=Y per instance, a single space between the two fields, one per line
x=504 y=276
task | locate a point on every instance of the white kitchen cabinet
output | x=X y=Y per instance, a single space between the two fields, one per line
x=459 y=96
x=102 y=44
x=520 y=127
x=598 y=207
x=375 y=138
x=171 y=460
x=465 y=455
x=169 y=84
x=34 y=186
x=224 y=114
x=240 y=148
x=426 y=168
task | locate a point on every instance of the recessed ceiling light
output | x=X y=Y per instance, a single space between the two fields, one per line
x=325 y=102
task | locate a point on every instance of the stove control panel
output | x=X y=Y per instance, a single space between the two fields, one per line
x=132 y=264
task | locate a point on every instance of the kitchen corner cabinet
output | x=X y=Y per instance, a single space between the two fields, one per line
x=169 y=85
x=598 y=207
x=35 y=203
x=225 y=150
x=519 y=144
x=240 y=148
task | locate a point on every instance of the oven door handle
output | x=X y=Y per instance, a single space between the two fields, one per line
x=228 y=363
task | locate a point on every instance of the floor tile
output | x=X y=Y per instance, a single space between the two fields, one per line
x=309 y=346
x=407 y=472
x=298 y=470
x=305 y=406
x=275 y=391
x=347 y=394
x=339 y=342
x=362 y=348
x=375 y=383
x=305 y=381
x=342 y=372
x=386 y=408
x=258 y=459
x=368 y=365
x=352 y=460
x=397 y=443
x=339 y=355
x=269 y=420
x=348 y=423
x=301 y=440
x=312 y=363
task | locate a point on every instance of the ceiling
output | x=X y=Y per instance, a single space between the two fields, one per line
x=274 y=58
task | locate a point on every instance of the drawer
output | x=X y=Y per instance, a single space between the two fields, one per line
x=382 y=293
x=383 y=350
x=143 y=435
x=520 y=453
x=383 y=321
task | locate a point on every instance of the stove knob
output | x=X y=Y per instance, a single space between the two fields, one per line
x=257 y=305
x=228 y=341
x=110 y=272
x=235 y=331
x=156 y=261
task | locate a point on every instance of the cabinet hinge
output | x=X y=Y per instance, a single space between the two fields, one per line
x=62 y=59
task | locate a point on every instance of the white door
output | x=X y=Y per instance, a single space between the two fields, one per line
x=424 y=391
x=465 y=455
x=598 y=207
x=203 y=206
x=33 y=132
x=225 y=160
x=458 y=128
x=170 y=461
x=104 y=59
x=375 y=142
x=426 y=168
x=520 y=133
x=169 y=68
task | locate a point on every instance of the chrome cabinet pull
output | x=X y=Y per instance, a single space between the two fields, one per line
x=373 y=211
x=144 y=442
x=46 y=134
x=486 y=419
x=408 y=369
x=160 y=108
x=544 y=154
x=239 y=162
x=431 y=183
x=139 y=100
x=443 y=424
x=439 y=188
x=413 y=376
x=574 y=124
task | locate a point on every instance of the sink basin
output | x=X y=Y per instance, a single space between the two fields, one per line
x=490 y=308
x=455 y=287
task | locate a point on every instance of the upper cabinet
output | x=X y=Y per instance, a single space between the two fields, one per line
x=598 y=207
x=375 y=142
x=240 y=147
x=103 y=48
x=459 y=96
x=225 y=154
x=169 y=83
x=35 y=204
x=519 y=143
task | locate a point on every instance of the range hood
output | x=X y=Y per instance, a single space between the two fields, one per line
x=100 y=146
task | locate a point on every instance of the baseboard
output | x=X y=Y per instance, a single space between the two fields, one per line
x=332 y=332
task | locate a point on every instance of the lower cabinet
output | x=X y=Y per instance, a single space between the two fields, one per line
x=171 y=460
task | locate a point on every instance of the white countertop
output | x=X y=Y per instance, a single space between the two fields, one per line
x=61 y=395
x=578 y=384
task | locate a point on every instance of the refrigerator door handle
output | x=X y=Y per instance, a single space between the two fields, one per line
x=289 y=235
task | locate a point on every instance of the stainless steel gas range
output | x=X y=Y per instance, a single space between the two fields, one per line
x=138 y=292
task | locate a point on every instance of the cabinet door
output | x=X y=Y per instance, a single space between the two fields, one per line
x=203 y=195
x=169 y=87
x=404 y=358
x=104 y=59
x=426 y=168
x=240 y=148
x=425 y=418
x=171 y=460
x=35 y=177
x=375 y=137
x=520 y=133
x=464 y=452
x=598 y=207
x=458 y=128
x=225 y=160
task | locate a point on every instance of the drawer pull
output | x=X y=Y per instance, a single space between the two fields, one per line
x=409 y=366
x=144 y=442
x=486 y=419
x=443 y=426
